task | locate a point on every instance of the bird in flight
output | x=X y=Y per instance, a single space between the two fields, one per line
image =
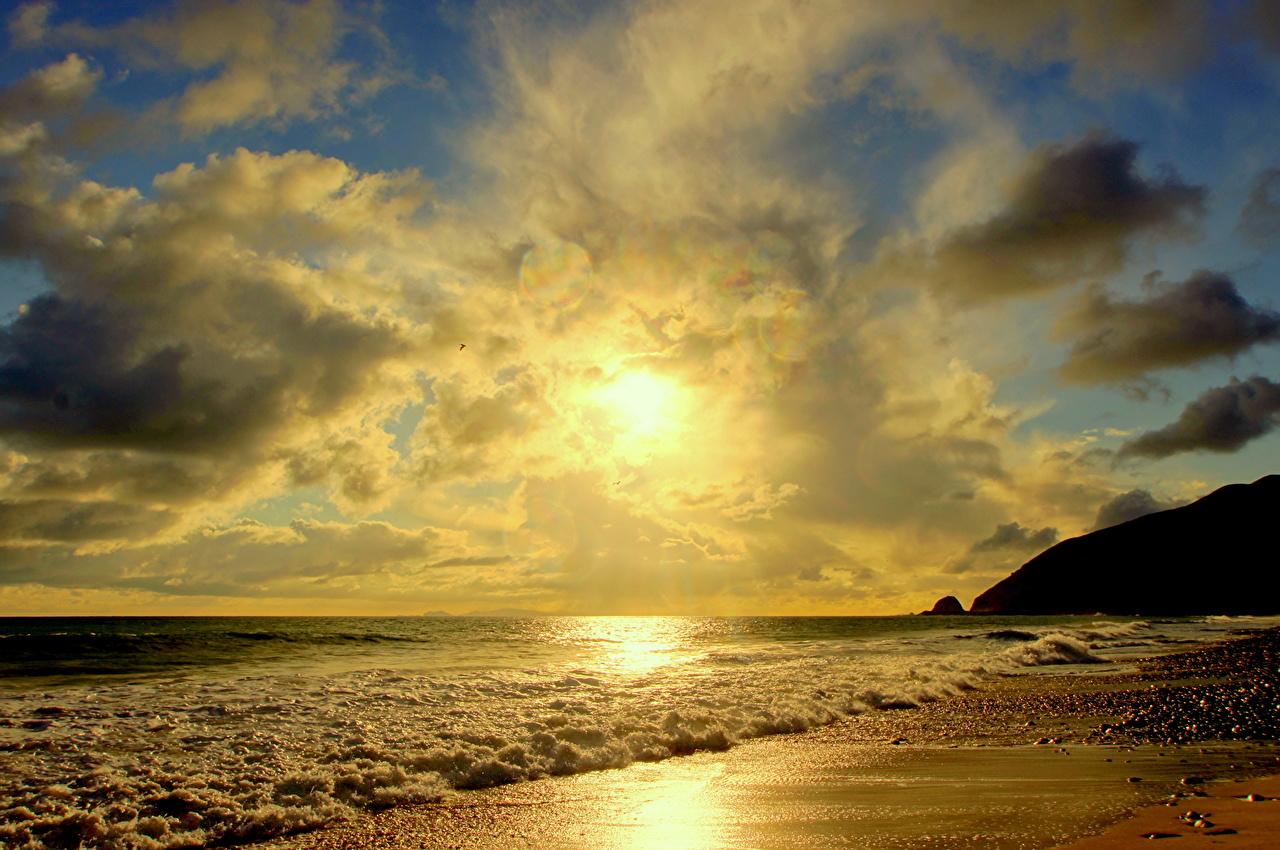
x=461 y=345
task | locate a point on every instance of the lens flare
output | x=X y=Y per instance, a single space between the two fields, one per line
x=784 y=331
x=555 y=274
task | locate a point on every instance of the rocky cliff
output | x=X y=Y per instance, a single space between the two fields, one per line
x=1217 y=555
x=947 y=605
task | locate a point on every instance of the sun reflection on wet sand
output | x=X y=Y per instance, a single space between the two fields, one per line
x=673 y=810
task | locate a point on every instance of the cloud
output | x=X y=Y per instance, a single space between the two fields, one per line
x=254 y=61
x=307 y=557
x=1177 y=325
x=1221 y=419
x=55 y=521
x=357 y=470
x=1261 y=22
x=203 y=343
x=1116 y=43
x=29 y=23
x=17 y=139
x=86 y=375
x=270 y=61
x=1130 y=505
x=71 y=373
x=1013 y=535
x=804 y=558
x=1070 y=215
x=61 y=86
x=1005 y=547
x=1259 y=222
x=1107 y=46
x=124 y=476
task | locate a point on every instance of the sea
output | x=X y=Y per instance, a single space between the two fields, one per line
x=136 y=732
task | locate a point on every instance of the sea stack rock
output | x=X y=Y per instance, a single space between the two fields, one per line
x=1216 y=555
x=946 y=605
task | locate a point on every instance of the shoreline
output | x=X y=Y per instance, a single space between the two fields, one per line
x=1061 y=748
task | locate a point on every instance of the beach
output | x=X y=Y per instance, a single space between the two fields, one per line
x=905 y=733
x=802 y=793
x=1034 y=761
x=1242 y=815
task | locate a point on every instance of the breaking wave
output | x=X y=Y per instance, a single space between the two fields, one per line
x=1010 y=634
x=1053 y=649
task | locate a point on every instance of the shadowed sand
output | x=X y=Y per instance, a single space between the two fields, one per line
x=1032 y=761
x=1229 y=816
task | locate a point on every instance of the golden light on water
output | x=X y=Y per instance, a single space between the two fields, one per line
x=634 y=644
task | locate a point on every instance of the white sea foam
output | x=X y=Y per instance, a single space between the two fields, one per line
x=1057 y=648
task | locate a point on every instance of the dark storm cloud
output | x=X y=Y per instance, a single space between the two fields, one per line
x=1130 y=505
x=1006 y=545
x=1013 y=535
x=74 y=373
x=1259 y=222
x=81 y=374
x=1202 y=317
x=1262 y=21
x=1070 y=216
x=73 y=522
x=1221 y=420
x=1119 y=43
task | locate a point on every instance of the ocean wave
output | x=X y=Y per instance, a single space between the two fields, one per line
x=81 y=653
x=1104 y=631
x=1010 y=634
x=1097 y=635
x=1052 y=649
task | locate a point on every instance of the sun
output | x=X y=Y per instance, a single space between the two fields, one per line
x=641 y=404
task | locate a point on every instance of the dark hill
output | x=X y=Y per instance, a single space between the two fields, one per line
x=946 y=605
x=1217 y=555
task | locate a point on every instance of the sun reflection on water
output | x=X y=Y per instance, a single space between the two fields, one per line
x=633 y=644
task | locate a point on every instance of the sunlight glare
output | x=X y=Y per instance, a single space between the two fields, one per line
x=641 y=403
x=633 y=645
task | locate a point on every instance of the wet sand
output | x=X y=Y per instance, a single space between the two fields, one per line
x=1240 y=815
x=1033 y=761
x=798 y=794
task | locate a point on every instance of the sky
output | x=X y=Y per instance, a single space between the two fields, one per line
x=620 y=308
